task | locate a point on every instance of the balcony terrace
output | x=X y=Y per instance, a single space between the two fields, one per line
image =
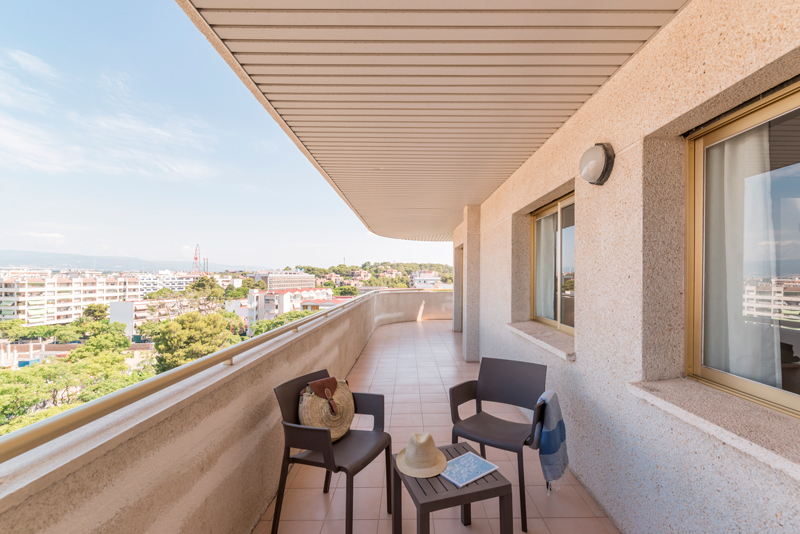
x=413 y=365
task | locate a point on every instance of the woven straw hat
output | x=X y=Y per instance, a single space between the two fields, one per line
x=316 y=411
x=421 y=458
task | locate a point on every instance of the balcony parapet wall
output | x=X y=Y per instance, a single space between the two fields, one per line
x=202 y=455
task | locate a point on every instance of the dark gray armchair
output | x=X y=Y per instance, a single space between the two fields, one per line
x=508 y=382
x=350 y=454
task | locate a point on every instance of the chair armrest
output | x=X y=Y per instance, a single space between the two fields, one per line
x=461 y=393
x=312 y=439
x=537 y=425
x=370 y=404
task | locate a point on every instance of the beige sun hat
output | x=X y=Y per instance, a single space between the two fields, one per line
x=421 y=458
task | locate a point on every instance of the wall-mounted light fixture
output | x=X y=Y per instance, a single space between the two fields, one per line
x=596 y=163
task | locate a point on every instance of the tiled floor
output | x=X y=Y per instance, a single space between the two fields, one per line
x=413 y=365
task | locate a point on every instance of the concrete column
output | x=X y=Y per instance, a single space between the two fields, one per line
x=458 y=288
x=471 y=296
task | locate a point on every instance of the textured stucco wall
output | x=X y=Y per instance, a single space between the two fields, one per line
x=649 y=470
x=201 y=456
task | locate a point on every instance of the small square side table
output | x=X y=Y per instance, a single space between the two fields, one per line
x=438 y=493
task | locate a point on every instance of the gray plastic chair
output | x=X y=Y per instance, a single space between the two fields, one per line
x=350 y=454
x=508 y=382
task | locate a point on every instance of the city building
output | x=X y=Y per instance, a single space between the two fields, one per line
x=265 y=304
x=135 y=313
x=350 y=282
x=174 y=281
x=424 y=279
x=285 y=279
x=391 y=273
x=61 y=299
x=360 y=275
x=333 y=277
x=224 y=280
x=320 y=304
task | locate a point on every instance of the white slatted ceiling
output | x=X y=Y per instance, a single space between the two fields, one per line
x=415 y=109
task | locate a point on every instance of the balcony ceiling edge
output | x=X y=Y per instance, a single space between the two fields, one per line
x=412 y=110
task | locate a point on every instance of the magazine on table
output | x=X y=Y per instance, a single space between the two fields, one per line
x=467 y=468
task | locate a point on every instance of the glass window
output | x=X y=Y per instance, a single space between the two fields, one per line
x=554 y=264
x=752 y=218
x=744 y=326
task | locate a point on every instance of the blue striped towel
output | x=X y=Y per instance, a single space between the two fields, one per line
x=553 y=444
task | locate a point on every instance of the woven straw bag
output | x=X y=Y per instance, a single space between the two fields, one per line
x=334 y=411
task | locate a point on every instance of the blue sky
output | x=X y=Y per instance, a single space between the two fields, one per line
x=122 y=132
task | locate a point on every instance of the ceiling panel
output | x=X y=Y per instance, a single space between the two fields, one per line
x=412 y=110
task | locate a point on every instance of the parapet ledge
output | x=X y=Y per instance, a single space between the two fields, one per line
x=764 y=434
x=550 y=339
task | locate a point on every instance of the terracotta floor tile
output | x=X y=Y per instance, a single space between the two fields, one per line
x=407 y=419
x=434 y=397
x=360 y=526
x=562 y=503
x=401 y=389
x=492 y=506
x=436 y=407
x=455 y=512
x=409 y=526
x=433 y=389
x=405 y=397
x=535 y=526
x=533 y=474
x=312 y=477
x=299 y=527
x=400 y=434
x=366 y=503
x=454 y=526
x=372 y=476
x=610 y=526
x=589 y=501
x=263 y=527
x=442 y=435
x=306 y=504
x=409 y=407
x=437 y=419
x=574 y=525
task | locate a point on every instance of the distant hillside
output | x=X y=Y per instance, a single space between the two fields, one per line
x=50 y=260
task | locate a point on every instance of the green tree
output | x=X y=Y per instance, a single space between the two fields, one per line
x=262 y=285
x=235 y=292
x=163 y=293
x=271 y=324
x=447 y=278
x=248 y=283
x=113 y=342
x=329 y=283
x=204 y=284
x=96 y=312
x=316 y=271
x=191 y=336
x=345 y=291
x=12 y=330
x=66 y=333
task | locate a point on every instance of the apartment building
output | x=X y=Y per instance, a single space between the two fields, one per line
x=137 y=312
x=264 y=305
x=390 y=273
x=333 y=277
x=360 y=275
x=320 y=304
x=174 y=281
x=276 y=280
x=424 y=279
x=61 y=299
